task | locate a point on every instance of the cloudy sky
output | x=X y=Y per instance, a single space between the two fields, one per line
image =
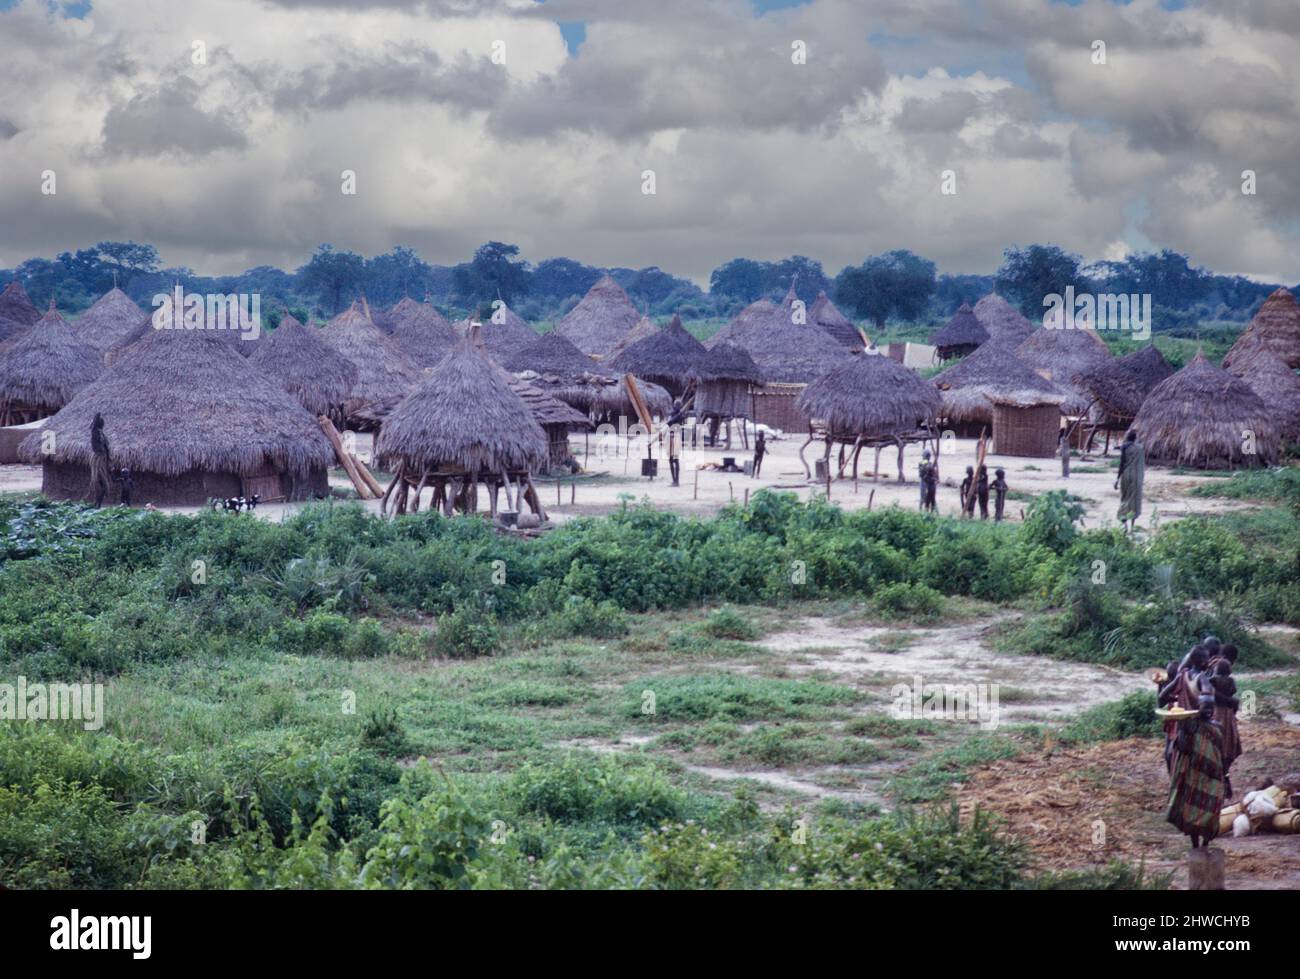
x=532 y=122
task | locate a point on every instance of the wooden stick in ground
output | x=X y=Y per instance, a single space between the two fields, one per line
x=345 y=460
x=366 y=475
x=695 y=493
x=397 y=478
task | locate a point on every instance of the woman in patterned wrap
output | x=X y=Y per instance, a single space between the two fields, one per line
x=1196 y=790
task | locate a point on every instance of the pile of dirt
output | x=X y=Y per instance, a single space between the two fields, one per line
x=1083 y=806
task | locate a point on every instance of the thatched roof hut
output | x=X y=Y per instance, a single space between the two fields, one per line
x=645 y=327
x=382 y=369
x=960 y=335
x=1119 y=386
x=192 y=420
x=1276 y=325
x=463 y=417
x=306 y=366
x=600 y=319
x=551 y=353
x=754 y=315
x=423 y=334
x=870 y=396
x=1277 y=385
x=723 y=378
x=10 y=330
x=825 y=314
x=387 y=319
x=1062 y=354
x=1202 y=416
x=112 y=318
x=665 y=357
x=969 y=387
x=44 y=369
x=1001 y=320
x=15 y=305
x=556 y=418
x=500 y=339
x=786 y=352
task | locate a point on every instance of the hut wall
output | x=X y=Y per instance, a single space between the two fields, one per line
x=557 y=445
x=69 y=481
x=1028 y=432
x=774 y=406
x=9 y=439
x=730 y=399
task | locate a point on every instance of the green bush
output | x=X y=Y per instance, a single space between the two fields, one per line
x=467 y=632
x=919 y=602
x=597 y=790
x=726 y=623
x=1134 y=716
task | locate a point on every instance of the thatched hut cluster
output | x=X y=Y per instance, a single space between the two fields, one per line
x=723 y=380
x=960 y=335
x=112 y=318
x=43 y=369
x=299 y=359
x=665 y=357
x=1061 y=354
x=1118 y=386
x=462 y=425
x=1206 y=418
x=1275 y=326
x=785 y=351
x=969 y=387
x=192 y=421
x=600 y=320
x=382 y=371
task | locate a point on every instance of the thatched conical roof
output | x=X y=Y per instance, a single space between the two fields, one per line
x=991 y=372
x=727 y=362
x=463 y=416
x=600 y=319
x=1277 y=385
x=786 y=352
x=387 y=319
x=10 y=330
x=1001 y=320
x=825 y=314
x=1065 y=353
x=16 y=306
x=665 y=357
x=547 y=410
x=500 y=339
x=382 y=370
x=112 y=318
x=1121 y=384
x=963 y=330
x=870 y=395
x=645 y=327
x=551 y=353
x=1202 y=416
x=184 y=400
x=1276 y=325
x=47 y=366
x=755 y=314
x=556 y=366
x=423 y=334
x=305 y=365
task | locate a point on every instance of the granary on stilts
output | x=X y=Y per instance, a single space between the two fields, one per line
x=313 y=372
x=1206 y=418
x=960 y=335
x=724 y=379
x=869 y=401
x=192 y=421
x=600 y=320
x=462 y=426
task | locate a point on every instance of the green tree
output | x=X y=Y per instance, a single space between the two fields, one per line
x=493 y=273
x=741 y=278
x=897 y=284
x=331 y=276
x=1028 y=275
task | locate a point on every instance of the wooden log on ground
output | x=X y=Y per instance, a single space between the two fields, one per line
x=345 y=460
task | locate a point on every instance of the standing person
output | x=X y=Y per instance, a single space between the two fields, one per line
x=100 y=468
x=967 y=494
x=1196 y=783
x=1132 y=473
x=1226 y=705
x=128 y=485
x=982 y=491
x=923 y=475
x=1063 y=449
x=760 y=449
x=999 y=493
x=675 y=421
x=931 y=488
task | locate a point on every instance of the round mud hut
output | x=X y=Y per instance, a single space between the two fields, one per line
x=192 y=421
x=600 y=320
x=112 y=318
x=869 y=401
x=314 y=373
x=382 y=371
x=969 y=388
x=960 y=335
x=665 y=358
x=462 y=426
x=1276 y=325
x=1204 y=417
x=43 y=370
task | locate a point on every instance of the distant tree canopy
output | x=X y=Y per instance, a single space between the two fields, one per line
x=895 y=285
x=746 y=280
x=333 y=276
x=1028 y=275
x=493 y=273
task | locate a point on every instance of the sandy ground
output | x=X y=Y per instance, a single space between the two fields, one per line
x=705 y=490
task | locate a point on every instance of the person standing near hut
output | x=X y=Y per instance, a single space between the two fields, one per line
x=982 y=491
x=1063 y=450
x=1132 y=473
x=967 y=492
x=931 y=487
x=100 y=469
x=1196 y=779
x=675 y=421
x=925 y=475
x=760 y=449
x=999 y=493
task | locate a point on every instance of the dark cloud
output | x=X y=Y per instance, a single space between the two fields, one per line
x=168 y=119
x=945 y=114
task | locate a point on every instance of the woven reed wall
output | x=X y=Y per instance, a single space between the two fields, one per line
x=730 y=399
x=1027 y=432
x=774 y=406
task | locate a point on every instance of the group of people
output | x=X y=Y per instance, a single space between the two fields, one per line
x=974 y=489
x=1200 y=750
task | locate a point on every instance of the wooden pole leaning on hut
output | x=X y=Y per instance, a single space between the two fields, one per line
x=345 y=460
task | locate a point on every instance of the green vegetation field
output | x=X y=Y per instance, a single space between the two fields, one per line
x=342 y=701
